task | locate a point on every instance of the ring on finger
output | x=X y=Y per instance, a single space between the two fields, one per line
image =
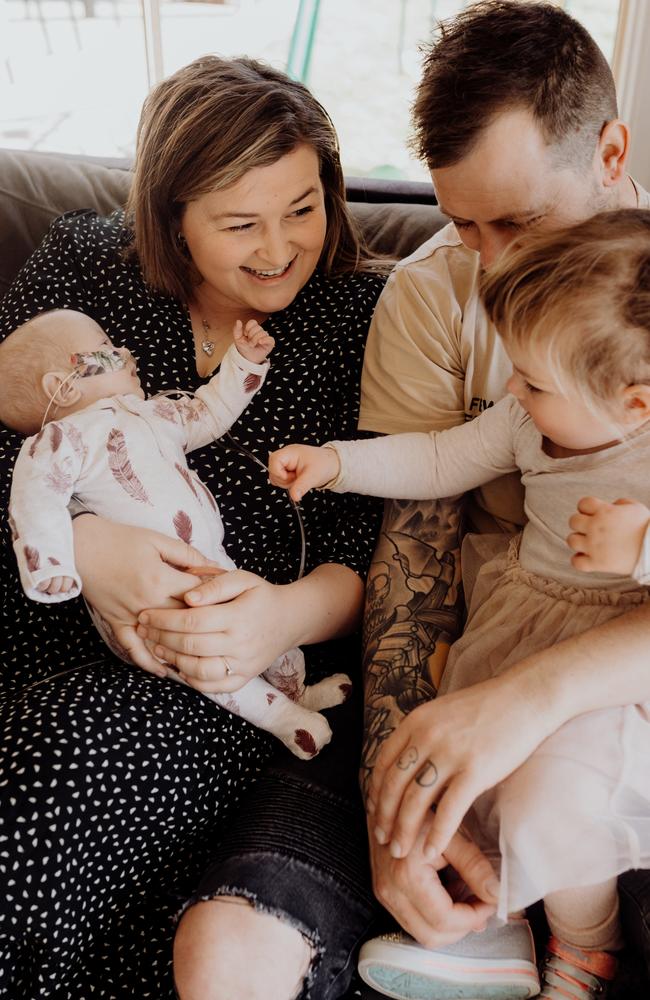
x=228 y=667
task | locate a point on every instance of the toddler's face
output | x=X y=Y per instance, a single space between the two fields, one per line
x=567 y=422
x=106 y=382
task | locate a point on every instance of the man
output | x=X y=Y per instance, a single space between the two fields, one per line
x=516 y=118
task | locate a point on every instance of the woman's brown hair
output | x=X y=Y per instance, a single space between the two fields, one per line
x=201 y=130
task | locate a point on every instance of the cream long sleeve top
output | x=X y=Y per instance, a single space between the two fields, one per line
x=504 y=439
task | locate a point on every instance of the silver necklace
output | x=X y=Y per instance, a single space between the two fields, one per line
x=207 y=345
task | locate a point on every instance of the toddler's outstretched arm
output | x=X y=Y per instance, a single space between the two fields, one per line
x=413 y=466
x=252 y=341
x=301 y=467
x=609 y=537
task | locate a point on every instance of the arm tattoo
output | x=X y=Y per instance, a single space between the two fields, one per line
x=413 y=613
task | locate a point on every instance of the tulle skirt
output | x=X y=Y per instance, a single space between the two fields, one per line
x=577 y=812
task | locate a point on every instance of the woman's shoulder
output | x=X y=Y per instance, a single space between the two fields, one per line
x=86 y=228
x=69 y=268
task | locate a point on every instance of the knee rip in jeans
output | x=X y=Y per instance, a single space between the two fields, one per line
x=311 y=937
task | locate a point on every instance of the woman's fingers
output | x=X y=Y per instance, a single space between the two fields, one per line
x=178 y=553
x=222 y=588
x=194 y=643
x=227 y=685
x=137 y=650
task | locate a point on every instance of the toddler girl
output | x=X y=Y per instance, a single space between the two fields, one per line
x=573 y=310
x=123 y=457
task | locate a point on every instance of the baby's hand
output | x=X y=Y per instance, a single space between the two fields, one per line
x=607 y=537
x=300 y=468
x=252 y=341
x=56 y=585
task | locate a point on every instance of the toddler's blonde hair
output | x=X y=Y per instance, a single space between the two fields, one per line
x=580 y=300
x=26 y=355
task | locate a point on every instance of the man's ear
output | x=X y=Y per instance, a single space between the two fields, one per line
x=60 y=389
x=613 y=151
x=636 y=402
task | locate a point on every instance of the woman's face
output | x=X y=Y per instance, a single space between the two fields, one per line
x=257 y=242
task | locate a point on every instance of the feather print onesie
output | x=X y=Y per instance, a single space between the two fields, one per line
x=123 y=458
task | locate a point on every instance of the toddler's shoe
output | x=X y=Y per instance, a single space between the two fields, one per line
x=573 y=974
x=497 y=964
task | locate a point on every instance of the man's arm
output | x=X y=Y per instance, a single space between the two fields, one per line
x=413 y=614
x=479 y=735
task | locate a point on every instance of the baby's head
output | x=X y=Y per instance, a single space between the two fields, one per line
x=573 y=310
x=46 y=371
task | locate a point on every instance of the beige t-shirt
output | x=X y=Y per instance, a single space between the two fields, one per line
x=434 y=360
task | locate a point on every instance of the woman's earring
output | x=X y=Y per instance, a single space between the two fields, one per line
x=181 y=243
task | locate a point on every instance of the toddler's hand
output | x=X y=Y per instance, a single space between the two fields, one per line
x=607 y=537
x=300 y=468
x=56 y=585
x=252 y=341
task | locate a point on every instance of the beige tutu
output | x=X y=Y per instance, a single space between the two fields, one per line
x=578 y=811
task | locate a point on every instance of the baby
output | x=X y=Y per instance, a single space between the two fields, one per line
x=123 y=457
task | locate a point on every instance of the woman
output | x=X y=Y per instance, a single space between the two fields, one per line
x=121 y=788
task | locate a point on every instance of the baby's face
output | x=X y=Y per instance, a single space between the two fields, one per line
x=107 y=381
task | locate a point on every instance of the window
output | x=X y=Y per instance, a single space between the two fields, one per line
x=74 y=73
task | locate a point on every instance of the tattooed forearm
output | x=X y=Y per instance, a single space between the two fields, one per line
x=413 y=614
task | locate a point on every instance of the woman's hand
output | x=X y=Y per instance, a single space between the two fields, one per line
x=236 y=626
x=125 y=569
x=447 y=752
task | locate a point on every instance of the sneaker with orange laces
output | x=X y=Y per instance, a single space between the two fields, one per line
x=573 y=974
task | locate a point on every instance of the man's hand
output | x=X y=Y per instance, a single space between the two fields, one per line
x=445 y=753
x=607 y=537
x=301 y=467
x=411 y=890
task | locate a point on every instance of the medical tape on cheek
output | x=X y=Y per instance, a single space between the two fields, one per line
x=98 y=362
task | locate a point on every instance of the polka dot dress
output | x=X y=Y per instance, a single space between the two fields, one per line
x=115 y=786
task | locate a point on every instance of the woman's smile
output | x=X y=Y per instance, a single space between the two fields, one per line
x=266 y=274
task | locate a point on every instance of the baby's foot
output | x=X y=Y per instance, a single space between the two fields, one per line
x=252 y=341
x=331 y=691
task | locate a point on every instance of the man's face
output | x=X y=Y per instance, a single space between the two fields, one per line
x=509 y=183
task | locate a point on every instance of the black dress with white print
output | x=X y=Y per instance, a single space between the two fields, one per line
x=115 y=786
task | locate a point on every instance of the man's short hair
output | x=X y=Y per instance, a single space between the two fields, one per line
x=503 y=55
